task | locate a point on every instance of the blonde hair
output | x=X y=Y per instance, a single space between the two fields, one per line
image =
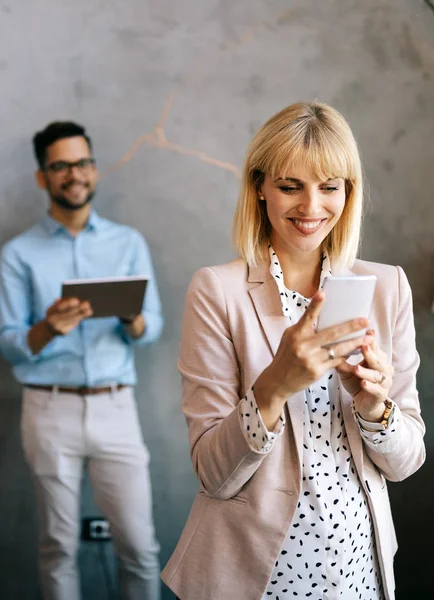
x=320 y=137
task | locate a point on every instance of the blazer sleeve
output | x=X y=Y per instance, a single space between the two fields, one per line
x=222 y=458
x=404 y=451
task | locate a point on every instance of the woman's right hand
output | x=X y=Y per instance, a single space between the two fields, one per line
x=302 y=359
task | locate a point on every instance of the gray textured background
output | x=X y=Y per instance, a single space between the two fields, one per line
x=172 y=91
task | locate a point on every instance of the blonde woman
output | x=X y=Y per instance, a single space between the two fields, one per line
x=293 y=444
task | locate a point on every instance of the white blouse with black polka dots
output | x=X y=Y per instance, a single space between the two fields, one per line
x=329 y=551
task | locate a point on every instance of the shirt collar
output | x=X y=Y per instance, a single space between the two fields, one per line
x=290 y=299
x=53 y=226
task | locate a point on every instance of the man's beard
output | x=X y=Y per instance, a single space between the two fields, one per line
x=65 y=203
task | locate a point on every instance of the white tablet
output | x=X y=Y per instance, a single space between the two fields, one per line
x=109 y=297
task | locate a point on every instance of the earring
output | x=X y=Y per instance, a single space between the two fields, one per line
x=261 y=198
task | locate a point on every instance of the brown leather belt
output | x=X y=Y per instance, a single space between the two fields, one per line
x=81 y=391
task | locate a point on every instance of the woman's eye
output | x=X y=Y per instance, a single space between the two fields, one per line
x=289 y=189
x=330 y=189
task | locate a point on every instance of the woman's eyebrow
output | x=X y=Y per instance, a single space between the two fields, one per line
x=295 y=180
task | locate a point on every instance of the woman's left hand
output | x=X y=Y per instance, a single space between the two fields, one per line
x=368 y=382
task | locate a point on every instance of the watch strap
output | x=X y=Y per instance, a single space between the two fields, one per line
x=388 y=413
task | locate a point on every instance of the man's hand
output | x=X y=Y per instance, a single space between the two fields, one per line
x=65 y=314
x=135 y=325
x=62 y=317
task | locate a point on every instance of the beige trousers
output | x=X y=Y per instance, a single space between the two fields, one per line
x=63 y=432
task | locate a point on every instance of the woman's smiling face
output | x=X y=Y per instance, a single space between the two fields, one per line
x=302 y=209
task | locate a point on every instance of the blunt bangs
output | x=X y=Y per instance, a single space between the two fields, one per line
x=325 y=156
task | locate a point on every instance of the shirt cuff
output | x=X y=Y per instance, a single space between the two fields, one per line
x=152 y=331
x=255 y=431
x=376 y=433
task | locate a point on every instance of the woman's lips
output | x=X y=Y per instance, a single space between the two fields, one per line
x=307 y=227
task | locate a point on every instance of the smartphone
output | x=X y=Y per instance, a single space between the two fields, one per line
x=346 y=298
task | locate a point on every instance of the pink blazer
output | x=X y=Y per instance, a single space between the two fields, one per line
x=232 y=327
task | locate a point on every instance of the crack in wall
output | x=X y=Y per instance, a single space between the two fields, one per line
x=158 y=139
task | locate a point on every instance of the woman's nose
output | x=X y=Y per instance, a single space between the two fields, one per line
x=310 y=203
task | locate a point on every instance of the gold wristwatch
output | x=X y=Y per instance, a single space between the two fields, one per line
x=388 y=413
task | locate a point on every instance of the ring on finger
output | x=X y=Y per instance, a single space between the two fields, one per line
x=331 y=354
x=381 y=378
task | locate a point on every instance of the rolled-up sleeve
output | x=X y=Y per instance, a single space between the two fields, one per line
x=376 y=433
x=257 y=434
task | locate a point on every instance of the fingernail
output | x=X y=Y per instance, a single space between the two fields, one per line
x=363 y=322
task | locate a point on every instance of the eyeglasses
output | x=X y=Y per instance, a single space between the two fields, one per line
x=63 y=166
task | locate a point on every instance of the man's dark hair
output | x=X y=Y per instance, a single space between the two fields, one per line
x=57 y=130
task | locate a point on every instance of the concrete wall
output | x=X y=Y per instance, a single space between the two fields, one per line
x=172 y=92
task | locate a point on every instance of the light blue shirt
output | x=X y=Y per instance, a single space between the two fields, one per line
x=33 y=266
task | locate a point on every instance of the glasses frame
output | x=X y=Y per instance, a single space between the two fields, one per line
x=68 y=166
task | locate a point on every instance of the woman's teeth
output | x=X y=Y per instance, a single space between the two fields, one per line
x=307 y=225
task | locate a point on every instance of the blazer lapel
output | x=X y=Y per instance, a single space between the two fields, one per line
x=265 y=297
